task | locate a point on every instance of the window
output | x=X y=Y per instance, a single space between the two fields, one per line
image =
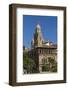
x=40 y=51
x=44 y=61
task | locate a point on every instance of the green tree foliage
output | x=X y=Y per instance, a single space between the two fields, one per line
x=45 y=67
x=28 y=63
x=53 y=65
x=50 y=66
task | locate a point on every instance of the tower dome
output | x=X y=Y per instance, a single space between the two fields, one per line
x=38 y=26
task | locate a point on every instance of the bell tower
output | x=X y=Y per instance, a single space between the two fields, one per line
x=38 y=36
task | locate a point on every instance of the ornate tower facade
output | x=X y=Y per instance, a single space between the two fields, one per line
x=38 y=39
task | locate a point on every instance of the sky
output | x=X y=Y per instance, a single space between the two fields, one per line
x=48 y=28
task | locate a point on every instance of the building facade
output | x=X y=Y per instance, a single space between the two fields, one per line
x=43 y=52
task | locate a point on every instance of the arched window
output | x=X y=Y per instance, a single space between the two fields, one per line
x=44 y=61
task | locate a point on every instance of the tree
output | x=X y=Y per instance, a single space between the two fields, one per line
x=53 y=64
x=45 y=67
x=28 y=63
x=50 y=65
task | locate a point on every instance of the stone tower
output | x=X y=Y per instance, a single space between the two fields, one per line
x=37 y=37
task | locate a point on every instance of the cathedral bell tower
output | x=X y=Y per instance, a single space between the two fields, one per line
x=38 y=36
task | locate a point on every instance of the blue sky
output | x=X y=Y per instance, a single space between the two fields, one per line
x=48 y=28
